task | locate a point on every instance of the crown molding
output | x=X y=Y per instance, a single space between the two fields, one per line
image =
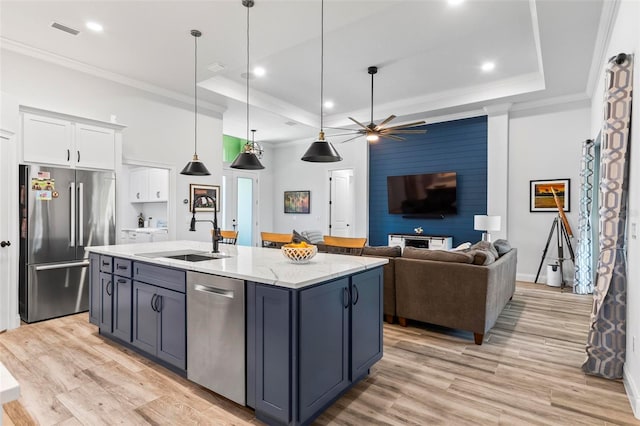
x=26 y=50
x=558 y=100
x=605 y=28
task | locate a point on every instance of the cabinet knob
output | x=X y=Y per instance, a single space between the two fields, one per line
x=138 y=195
x=4 y=244
x=158 y=194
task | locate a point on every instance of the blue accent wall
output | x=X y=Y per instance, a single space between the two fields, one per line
x=454 y=146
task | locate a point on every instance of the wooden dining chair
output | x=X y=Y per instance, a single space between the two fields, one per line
x=229 y=237
x=275 y=240
x=344 y=245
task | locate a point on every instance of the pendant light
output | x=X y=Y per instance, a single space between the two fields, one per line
x=195 y=167
x=321 y=151
x=247 y=159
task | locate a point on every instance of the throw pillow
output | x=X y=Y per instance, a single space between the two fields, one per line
x=315 y=237
x=486 y=245
x=462 y=246
x=385 y=251
x=502 y=246
x=298 y=238
x=439 y=255
x=482 y=257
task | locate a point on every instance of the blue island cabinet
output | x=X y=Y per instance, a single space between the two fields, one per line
x=307 y=347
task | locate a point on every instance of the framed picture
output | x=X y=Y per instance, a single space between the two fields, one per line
x=199 y=193
x=297 y=201
x=541 y=195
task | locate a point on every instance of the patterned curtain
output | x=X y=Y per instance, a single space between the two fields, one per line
x=584 y=256
x=607 y=334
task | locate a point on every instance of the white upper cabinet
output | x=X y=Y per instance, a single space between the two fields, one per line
x=148 y=185
x=94 y=147
x=67 y=142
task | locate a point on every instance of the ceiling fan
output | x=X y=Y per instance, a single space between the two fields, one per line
x=374 y=132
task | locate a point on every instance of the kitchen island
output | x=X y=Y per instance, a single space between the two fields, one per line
x=285 y=339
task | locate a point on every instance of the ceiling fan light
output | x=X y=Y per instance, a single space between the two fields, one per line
x=372 y=137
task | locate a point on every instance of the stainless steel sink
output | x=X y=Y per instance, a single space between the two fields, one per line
x=197 y=257
x=186 y=255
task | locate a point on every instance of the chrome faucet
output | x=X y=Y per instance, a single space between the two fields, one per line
x=215 y=236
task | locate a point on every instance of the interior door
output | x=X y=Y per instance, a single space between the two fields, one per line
x=240 y=210
x=341 y=203
x=4 y=235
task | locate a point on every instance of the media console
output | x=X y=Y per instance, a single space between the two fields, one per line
x=434 y=242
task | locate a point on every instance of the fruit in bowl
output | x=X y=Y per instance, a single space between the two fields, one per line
x=299 y=252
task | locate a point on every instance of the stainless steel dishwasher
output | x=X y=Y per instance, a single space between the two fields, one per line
x=216 y=334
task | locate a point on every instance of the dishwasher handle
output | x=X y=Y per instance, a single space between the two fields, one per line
x=214 y=290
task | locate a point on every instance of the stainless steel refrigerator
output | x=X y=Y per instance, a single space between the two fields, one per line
x=62 y=211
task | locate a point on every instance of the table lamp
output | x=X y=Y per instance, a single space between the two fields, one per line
x=486 y=223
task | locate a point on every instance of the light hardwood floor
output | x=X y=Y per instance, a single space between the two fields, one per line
x=526 y=372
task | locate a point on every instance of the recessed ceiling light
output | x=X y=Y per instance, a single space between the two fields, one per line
x=259 y=71
x=328 y=104
x=488 y=66
x=94 y=26
x=455 y=2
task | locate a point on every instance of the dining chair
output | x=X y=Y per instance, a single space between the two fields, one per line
x=229 y=237
x=275 y=240
x=344 y=245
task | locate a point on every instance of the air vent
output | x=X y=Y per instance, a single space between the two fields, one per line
x=291 y=123
x=61 y=27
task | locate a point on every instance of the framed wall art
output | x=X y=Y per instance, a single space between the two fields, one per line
x=203 y=204
x=541 y=195
x=297 y=201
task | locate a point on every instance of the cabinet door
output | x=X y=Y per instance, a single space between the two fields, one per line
x=46 y=140
x=172 y=327
x=324 y=345
x=138 y=185
x=95 y=289
x=145 y=318
x=122 y=308
x=366 y=321
x=94 y=147
x=106 y=298
x=158 y=185
x=396 y=240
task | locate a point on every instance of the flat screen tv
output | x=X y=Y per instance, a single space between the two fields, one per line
x=432 y=194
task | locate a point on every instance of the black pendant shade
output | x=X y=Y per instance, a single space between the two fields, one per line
x=247 y=161
x=195 y=168
x=321 y=151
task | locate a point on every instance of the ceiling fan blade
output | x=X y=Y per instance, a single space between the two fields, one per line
x=350 y=139
x=388 y=119
x=354 y=132
x=408 y=132
x=339 y=128
x=387 y=136
x=358 y=123
x=401 y=126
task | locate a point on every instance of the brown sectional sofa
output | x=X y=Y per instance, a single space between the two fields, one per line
x=389 y=272
x=456 y=295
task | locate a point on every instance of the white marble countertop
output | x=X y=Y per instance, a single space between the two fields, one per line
x=264 y=265
x=146 y=230
x=9 y=387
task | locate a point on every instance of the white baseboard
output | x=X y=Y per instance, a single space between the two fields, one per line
x=542 y=279
x=632 y=393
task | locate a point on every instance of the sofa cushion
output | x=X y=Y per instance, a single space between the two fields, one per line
x=463 y=246
x=438 y=255
x=501 y=246
x=482 y=257
x=486 y=245
x=385 y=251
x=314 y=237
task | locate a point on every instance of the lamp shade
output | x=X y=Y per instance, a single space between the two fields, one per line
x=195 y=168
x=486 y=223
x=321 y=151
x=247 y=161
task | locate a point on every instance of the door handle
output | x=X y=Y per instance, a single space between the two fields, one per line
x=68 y=155
x=153 y=304
x=5 y=244
x=158 y=303
x=109 y=284
x=213 y=290
x=80 y=213
x=158 y=194
x=78 y=156
x=63 y=265
x=356 y=296
x=122 y=280
x=72 y=237
x=345 y=297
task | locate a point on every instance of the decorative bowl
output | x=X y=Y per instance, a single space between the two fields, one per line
x=299 y=254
